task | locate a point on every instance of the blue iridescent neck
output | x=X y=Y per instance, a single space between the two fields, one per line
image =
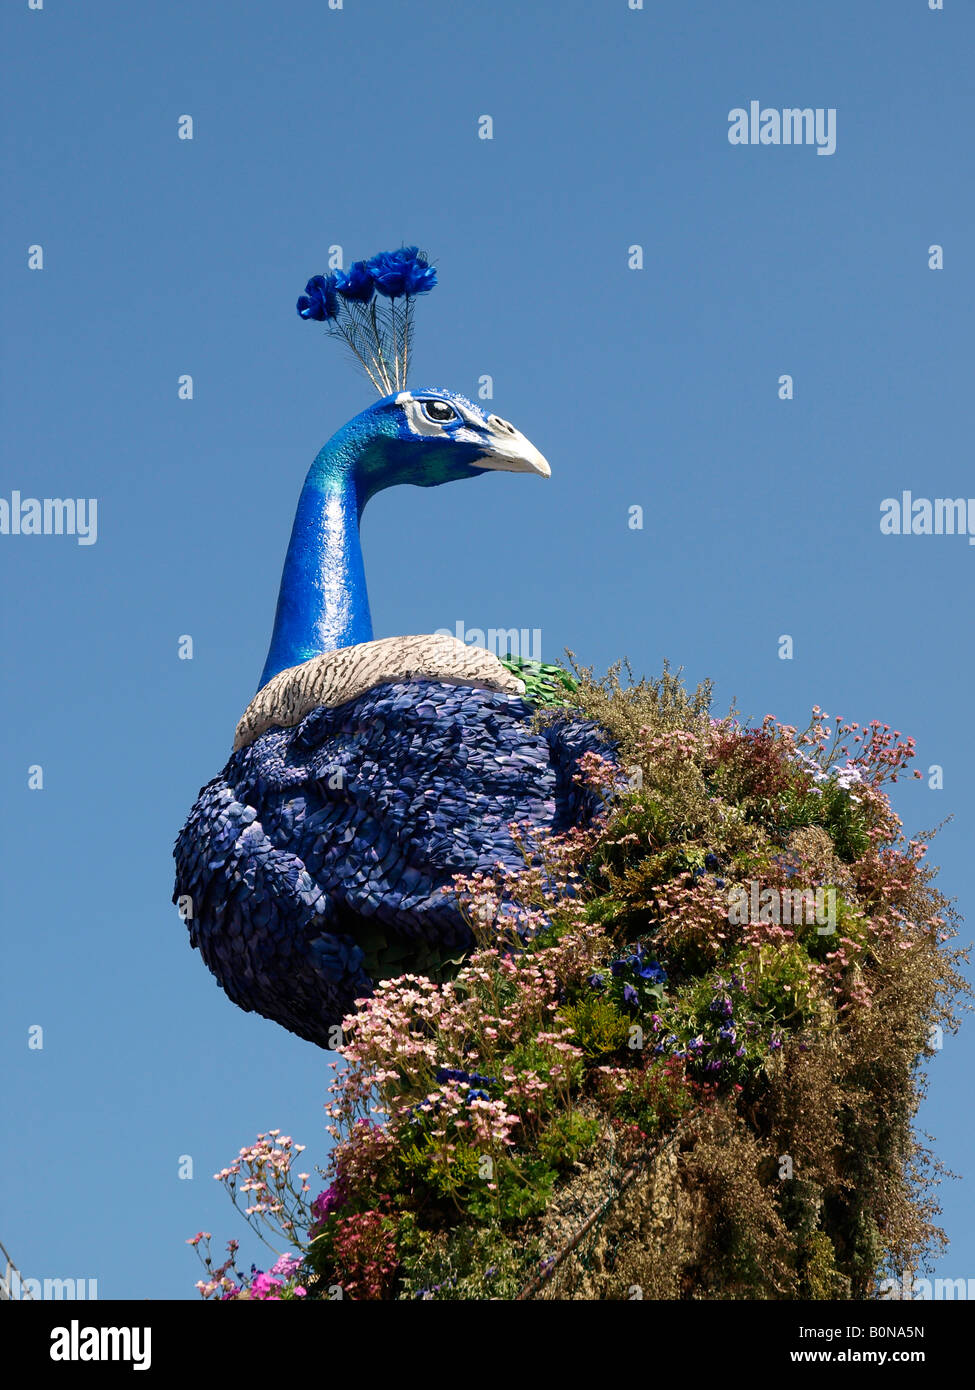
x=322 y=603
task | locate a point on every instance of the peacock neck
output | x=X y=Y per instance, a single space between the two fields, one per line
x=322 y=603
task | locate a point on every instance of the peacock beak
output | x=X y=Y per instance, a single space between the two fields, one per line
x=509 y=451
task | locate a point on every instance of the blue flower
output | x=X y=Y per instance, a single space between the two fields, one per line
x=401 y=272
x=356 y=282
x=477 y=1095
x=728 y=1034
x=472 y=1078
x=319 y=300
x=596 y=981
x=653 y=970
x=630 y=996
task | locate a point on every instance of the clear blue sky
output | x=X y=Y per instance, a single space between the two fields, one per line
x=656 y=387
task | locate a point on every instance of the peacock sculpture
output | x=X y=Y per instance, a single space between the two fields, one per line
x=366 y=774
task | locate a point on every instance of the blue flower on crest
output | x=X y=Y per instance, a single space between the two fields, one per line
x=380 y=339
x=401 y=272
x=319 y=300
x=356 y=282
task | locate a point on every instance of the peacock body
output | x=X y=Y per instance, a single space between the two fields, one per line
x=366 y=774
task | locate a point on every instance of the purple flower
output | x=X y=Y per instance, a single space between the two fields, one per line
x=328 y=1202
x=319 y=300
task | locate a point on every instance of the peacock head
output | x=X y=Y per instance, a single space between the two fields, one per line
x=420 y=437
x=432 y=436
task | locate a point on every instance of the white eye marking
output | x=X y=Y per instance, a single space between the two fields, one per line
x=417 y=418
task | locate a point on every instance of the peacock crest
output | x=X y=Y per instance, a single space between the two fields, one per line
x=370 y=308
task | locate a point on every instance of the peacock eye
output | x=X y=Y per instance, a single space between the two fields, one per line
x=439 y=411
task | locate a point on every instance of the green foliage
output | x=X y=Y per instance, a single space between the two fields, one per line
x=453 y=1175
x=519 y=1188
x=567 y=1137
x=845 y=822
x=653 y=1098
x=820 y=1277
x=464 y=1262
x=540 y=1059
x=546 y=685
x=598 y=1027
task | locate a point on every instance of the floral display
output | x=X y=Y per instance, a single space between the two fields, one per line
x=621 y=1004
